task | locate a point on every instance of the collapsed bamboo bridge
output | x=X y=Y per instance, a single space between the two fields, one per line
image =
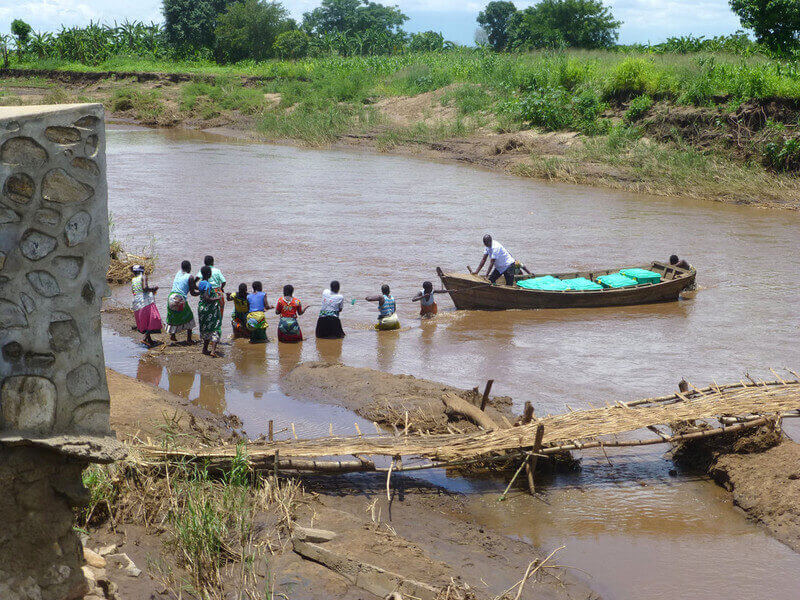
x=709 y=411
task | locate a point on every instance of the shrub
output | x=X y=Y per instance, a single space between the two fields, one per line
x=548 y=108
x=421 y=78
x=632 y=77
x=638 y=108
x=555 y=108
x=292 y=44
x=783 y=154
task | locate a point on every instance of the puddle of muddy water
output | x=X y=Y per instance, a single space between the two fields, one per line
x=287 y=215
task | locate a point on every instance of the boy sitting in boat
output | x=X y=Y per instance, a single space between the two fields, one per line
x=682 y=263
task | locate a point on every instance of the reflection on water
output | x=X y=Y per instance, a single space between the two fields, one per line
x=329 y=351
x=367 y=219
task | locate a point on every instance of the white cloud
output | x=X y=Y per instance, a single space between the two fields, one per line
x=643 y=20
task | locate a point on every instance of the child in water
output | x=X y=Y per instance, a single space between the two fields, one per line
x=427 y=302
x=240 y=310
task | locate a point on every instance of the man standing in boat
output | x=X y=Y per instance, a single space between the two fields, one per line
x=501 y=262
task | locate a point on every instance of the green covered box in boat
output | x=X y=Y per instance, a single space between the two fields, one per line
x=616 y=280
x=642 y=275
x=546 y=283
x=582 y=284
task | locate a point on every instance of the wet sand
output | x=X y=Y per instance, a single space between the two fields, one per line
x=766 y=485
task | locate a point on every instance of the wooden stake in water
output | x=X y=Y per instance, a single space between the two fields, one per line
x=486 y=391
x=270 y=430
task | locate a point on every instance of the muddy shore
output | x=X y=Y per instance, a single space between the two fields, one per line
x=760 y=469
x=766 y=485
x=386 y=398
x=423 y=532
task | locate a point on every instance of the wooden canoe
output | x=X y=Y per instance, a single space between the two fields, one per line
x=474 y=292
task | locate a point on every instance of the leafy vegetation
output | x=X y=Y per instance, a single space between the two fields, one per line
x=248 y=30
x=776 y=23
x=563 y=24
x=638 y=108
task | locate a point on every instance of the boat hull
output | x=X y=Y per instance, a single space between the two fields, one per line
x=472 y=292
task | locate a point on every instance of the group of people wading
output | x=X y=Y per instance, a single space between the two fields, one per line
x=249 y=317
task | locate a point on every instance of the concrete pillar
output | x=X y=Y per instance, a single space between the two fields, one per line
x=54 y=403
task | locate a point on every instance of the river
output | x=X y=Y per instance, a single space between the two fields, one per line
x=287 y=215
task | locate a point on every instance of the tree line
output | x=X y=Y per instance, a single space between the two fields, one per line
x=590 y=24
x=237 y=30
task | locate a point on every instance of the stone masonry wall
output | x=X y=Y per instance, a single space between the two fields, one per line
x=53 y=262
x=53 y=390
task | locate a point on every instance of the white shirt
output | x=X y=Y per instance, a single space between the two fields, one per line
x=502 y=259
x=332 y=304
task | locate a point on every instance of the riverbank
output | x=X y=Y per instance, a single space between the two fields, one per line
x=658 y=125
x=761 y=471
x=171 y=528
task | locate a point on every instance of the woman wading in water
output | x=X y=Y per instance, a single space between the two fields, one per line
x=210 y=313
x=329 y=325
x=179 y=313
x=256 y=319
x=148 y=320
x=289 y=308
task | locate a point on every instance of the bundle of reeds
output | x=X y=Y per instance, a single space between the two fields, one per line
x=119 y=268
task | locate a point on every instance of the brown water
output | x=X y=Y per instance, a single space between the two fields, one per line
x=287 y=215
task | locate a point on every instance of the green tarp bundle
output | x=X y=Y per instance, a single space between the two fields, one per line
x=642 y=275
x=581 y=283
x=548 y=283
x=615 y=280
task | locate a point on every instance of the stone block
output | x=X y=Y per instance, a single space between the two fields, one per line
x=53 y=263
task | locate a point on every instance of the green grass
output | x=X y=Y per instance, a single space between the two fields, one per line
x=615 y=74
x=217 y=529
x=146 y=105
x=225 y=93
x=316 y=121
x=667 y=169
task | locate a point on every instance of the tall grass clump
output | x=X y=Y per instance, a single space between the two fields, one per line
x=209 y=98
x=468 y=98
x=633 y=77
x=315 y=121
x=218 y=528
x=638 y=108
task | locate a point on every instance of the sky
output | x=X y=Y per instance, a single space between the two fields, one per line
x=643 y=20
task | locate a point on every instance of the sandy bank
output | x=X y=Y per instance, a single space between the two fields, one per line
x=385 y=398
x=140 y=411
x=766 y=485
x=555 y=156
x=761 y=470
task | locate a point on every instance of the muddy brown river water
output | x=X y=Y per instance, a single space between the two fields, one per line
x=289 y=215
